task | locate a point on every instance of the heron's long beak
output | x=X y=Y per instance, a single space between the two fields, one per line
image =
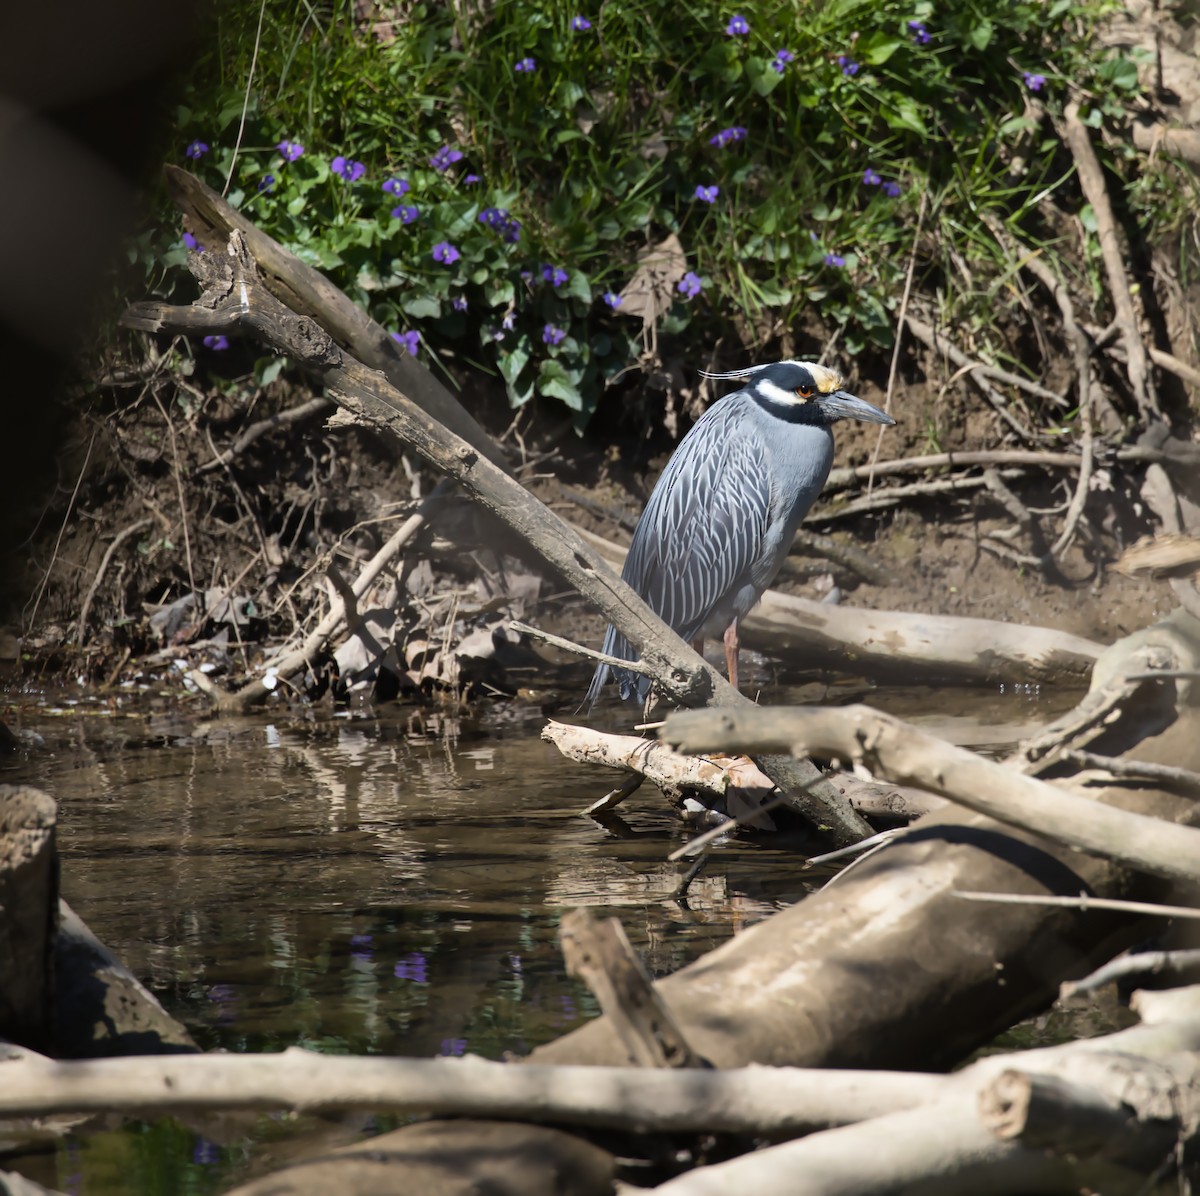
x=842 y=405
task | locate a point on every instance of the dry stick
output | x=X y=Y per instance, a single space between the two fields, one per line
x=891 y=497
x=906 y=755
x=1083 y=369
x=254 y=431
x=895 y=364
x=558 y=641
x=1173 y=965
x=938 y=344
x=183 y=515
x=62 y=531
x=1173 y=365
x=844 y=477
x=106 y=560
x=237 y=145
x=1166 y=775
x=1091 y=182
x=233 y=299
x=1084 y=902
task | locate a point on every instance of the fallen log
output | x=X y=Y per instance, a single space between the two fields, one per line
x=903 y=645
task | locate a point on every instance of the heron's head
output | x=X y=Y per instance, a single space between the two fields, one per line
x=805 y=392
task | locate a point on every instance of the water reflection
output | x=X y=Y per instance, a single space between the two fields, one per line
x=388 y=884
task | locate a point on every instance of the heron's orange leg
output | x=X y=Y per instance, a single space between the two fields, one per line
x=731 y=653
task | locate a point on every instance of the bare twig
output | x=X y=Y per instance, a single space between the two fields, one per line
x=899 y=337
x=41 y=590
x=1167 y=775
x=183 y=514
x=600 y=954
x=1181 y=966
x=844 y=477
x=118 y=539
x=938 y=343
x=280 y=419
x=558 y=641
x=1095 y=190
x=1084 y=902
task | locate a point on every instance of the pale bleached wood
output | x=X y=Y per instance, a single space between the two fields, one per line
x=888 y=747
x=743 y=1101
x=902 y=644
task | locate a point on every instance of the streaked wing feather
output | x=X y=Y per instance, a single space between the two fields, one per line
x=703 y=526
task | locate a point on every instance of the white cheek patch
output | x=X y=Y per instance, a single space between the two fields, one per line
x=777 y=394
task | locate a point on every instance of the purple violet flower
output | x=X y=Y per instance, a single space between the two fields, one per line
x=454 y=1046
x=525 y=66
x=919 y=32
x=445 y=158
x=350 y=170
x=892 y=189
x=397 y=186
x=871 y=178
x=192 y=243
x=218 y=344
x=267 y=183
x=835 y=259
x=707 y=194
x=689 y=285
x=1034 y=82
x=727 y=136
x=459 y=303
x=553 y=335
x=612 y=299
x=580 y=24
x=781 y=59
x=554 y=275
x=848 y=65
x=410 y=342
x=406 y=213
x=509 y=322
x=738 y=26
x=445 y=253
x=196 y=149
x=469 y=179
x=290 y=150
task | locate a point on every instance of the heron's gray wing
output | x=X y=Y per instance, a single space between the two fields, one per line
x=704 y=525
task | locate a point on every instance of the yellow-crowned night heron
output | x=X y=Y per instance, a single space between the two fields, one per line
x=722 y=516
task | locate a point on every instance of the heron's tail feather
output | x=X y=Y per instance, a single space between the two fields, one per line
x=631 y=685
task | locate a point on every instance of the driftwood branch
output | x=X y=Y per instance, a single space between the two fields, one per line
x=233 y=297
x=888 y=747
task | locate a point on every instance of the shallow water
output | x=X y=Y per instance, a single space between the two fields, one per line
x=378 y=883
